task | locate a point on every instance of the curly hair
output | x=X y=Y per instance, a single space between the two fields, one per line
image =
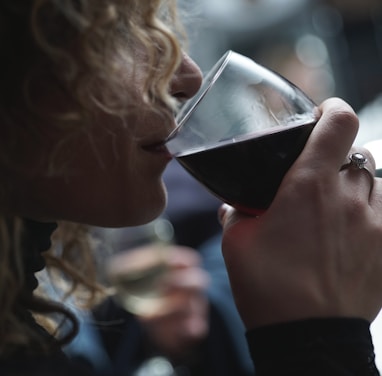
x=73 y=48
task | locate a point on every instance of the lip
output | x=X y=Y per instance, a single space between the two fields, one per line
x=157 y=148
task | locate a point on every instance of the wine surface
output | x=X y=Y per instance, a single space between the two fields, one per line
x=247 y=174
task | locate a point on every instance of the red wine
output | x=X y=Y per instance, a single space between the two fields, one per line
x=247 y=174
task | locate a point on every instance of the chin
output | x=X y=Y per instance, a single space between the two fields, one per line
x=148 y=214
x=144 y=210
x=129 y=217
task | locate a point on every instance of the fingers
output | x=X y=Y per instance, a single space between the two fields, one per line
x=223 y=212
x=185 y=270
x=359 y=170
x=321 y=164
x=181 y=256
x=178 y=330
x=186 y=303
x=185 y=279
x=188 y=280
x=323 y=228
x=228 y=215
x=331 y=138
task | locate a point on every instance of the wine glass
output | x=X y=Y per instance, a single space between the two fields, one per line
x=138 y=275
x=242 y=131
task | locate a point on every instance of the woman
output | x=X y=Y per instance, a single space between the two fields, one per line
x=86 y=86
x=88 y=89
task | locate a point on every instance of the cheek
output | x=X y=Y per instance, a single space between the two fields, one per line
x=136 y=187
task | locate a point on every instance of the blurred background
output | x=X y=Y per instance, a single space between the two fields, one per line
x=326 y=47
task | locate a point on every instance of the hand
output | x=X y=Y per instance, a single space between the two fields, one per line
x=317 y=251
x=184 y=323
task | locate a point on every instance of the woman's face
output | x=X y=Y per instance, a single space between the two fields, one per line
x=115 y=172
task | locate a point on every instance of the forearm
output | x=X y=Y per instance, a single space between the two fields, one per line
x=325 y=347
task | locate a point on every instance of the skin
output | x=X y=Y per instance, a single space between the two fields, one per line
x=120 y=183
x=326 y=259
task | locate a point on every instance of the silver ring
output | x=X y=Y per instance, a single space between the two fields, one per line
x=357 y=161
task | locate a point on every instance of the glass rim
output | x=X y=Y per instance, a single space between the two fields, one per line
x=208 y=81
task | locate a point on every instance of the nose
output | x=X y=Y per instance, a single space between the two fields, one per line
x=187 y=79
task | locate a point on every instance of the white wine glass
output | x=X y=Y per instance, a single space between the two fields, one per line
x=138 y=274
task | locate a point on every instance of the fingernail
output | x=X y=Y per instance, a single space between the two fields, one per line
x=222 y=211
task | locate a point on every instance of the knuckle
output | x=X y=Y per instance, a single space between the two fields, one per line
x=344 y=116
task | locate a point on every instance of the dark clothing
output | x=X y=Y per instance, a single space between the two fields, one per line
x=322 y=347
x=316 y=347
x=56 y=364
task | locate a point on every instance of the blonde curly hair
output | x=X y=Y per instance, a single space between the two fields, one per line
x=74 y=48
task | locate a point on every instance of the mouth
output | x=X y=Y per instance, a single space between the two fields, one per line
x=158 y=148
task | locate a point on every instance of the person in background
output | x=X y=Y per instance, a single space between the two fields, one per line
x=201 y=334
x=87 y=97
